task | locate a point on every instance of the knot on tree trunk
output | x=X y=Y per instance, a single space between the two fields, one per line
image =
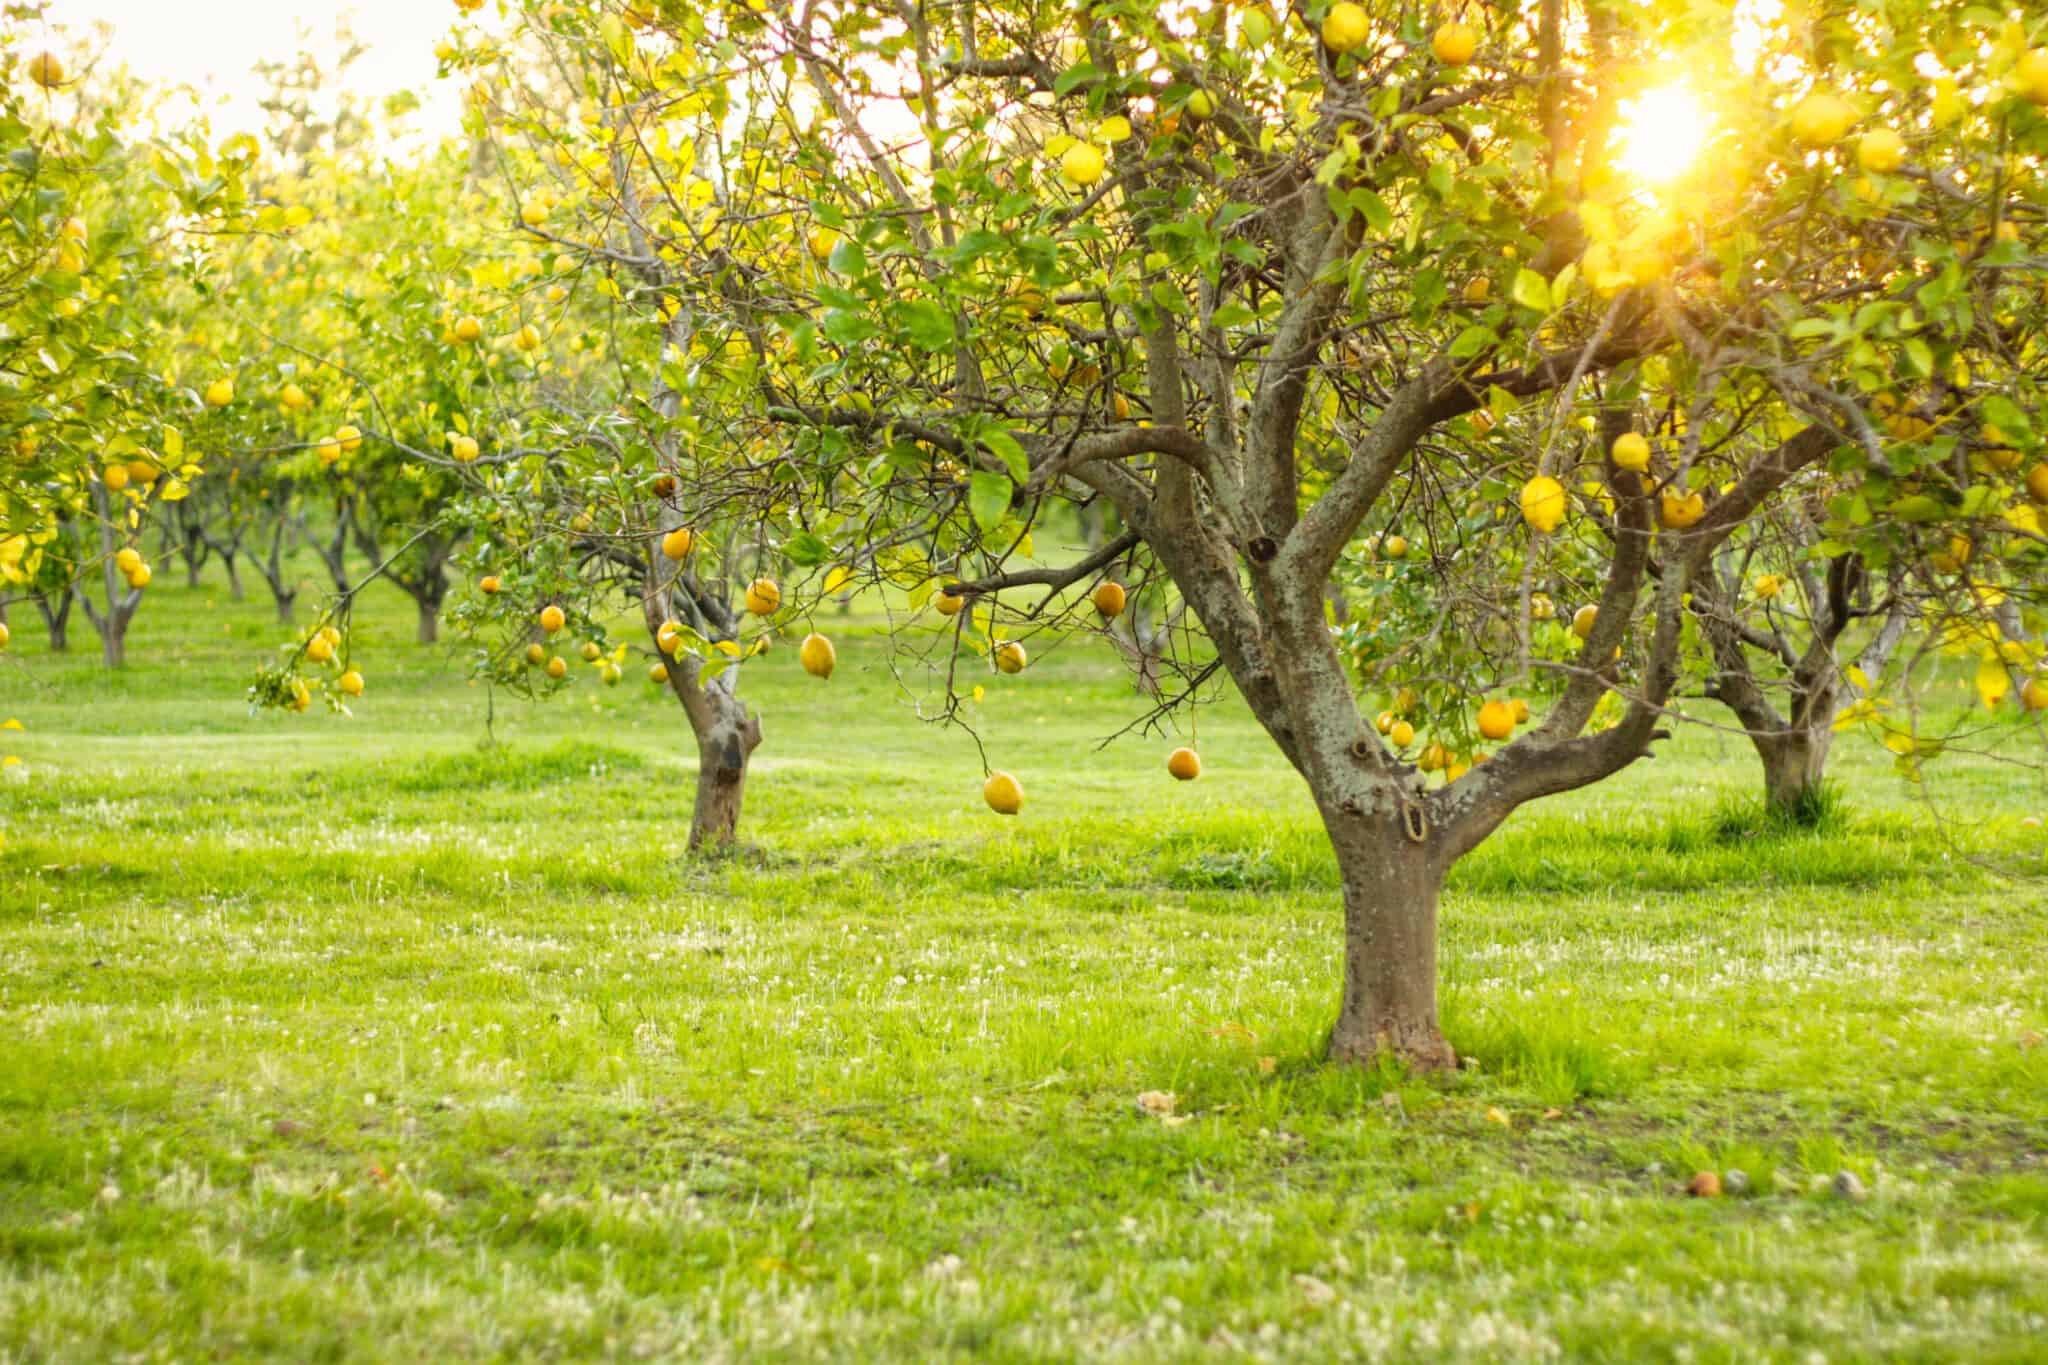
x=1262 y=549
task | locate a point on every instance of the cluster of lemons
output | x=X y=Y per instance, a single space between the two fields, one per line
x=323 y=647
x=1544 y=503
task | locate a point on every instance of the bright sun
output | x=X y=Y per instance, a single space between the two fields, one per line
x=1662 y=133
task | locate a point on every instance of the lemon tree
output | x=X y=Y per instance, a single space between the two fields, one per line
x=1286 y=289
x=111 y=204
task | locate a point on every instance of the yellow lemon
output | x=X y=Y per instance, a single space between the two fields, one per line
x=1822 y=119
x=1679 y=508
x=1543 y=503
x=1454 y=44
x=817 y=655
x=1004 y=794
x=1082 y=164
x=1880 y=150
x=1345 y=27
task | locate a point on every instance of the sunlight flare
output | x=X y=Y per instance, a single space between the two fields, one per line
x=1663 y=133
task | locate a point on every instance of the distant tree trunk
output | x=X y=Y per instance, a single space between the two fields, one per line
x=58 y=617
x=192 y=546
x=122 y=601
x=229 y=551
x=333 y=552
x=426 y=584
x=1795 y=765
x=1792 y=745
x=283 y=591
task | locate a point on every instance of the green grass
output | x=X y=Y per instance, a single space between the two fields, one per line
x=327 y=1038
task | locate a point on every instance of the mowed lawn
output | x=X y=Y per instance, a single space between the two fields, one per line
x=332 y=1038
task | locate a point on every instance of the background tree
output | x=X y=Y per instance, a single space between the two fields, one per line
x=104 y=212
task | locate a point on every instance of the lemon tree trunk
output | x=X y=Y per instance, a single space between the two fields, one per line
x=1795 y=763
x=57 y=616
x=727 y=736
x=1391 y=890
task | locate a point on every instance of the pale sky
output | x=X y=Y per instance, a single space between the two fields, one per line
x=212 y=44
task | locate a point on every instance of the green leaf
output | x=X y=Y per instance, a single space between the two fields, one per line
x=1009 y=452
x=928 y=324
x=1472 y=341
x=1531 y=290
x=2007 y=416
x=847 y=328
x=806 y=550
x=1920 y=356
x=847 y=258
x=1378 y=216
x=1918 y=507
x=1073 y=77
x=988 y=498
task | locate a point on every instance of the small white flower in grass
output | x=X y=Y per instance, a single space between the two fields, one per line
x=1314 y=1290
